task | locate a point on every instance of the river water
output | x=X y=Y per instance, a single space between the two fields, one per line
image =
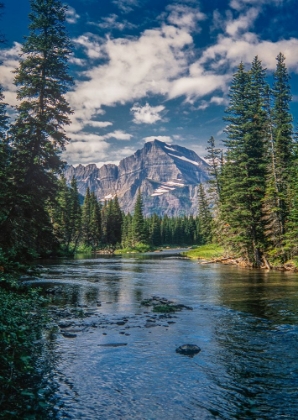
x=116 y=359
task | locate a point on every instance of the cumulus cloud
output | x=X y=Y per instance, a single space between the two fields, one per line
x=134 y=68
x=165 y=139
x=71 y=15
x=146 y=114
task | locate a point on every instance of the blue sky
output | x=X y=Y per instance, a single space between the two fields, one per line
x=147 y=69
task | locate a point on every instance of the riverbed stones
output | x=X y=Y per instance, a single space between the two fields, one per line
x=188 y=349
x=163 y=305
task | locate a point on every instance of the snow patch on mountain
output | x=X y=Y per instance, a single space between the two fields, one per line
x=185 y=159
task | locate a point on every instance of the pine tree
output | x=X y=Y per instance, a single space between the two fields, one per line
x=94 y=222
x=86 y=220
x=214 y=158
x=37 y=135
x=204 y=216
x=139 y=232
x=277 y=203
x=243 y=177
x=5 y=196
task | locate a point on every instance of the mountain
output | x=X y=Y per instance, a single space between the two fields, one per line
x=167 y=175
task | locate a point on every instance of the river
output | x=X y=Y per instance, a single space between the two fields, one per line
x=116 y=359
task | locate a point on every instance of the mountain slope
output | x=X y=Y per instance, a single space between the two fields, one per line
x=167 y=175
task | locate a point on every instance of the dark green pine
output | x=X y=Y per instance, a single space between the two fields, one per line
x=139 y=231
x=37 y=135
x=243 y=175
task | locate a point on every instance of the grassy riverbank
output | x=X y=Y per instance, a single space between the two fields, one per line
x=205 y=252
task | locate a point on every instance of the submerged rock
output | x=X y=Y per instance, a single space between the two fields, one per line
x=188 y=349
x=69 y=335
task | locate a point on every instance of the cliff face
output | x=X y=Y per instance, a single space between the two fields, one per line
x=167 y=175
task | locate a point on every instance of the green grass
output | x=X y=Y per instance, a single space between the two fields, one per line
x=138 y=248
x=205 y=252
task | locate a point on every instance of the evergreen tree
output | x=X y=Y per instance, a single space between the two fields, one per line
x=86 y=220
x=276 y=203
x=204 y=216
x=94 y=222
x=154 y=230
x=37 y=135
x=244 y=172
x=214 y=158
x=5 y=196
x=139 y=231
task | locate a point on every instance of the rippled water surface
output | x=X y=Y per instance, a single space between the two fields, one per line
x=120 y=362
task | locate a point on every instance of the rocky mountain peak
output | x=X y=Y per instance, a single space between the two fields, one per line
x=167 y=175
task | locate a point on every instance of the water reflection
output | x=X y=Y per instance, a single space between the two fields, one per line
x=246 y=323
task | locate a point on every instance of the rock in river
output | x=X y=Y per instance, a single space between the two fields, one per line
x=188 y=349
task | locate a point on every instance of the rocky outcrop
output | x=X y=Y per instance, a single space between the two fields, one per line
x=167 y=176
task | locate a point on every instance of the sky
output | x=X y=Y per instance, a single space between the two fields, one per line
x=146 y=69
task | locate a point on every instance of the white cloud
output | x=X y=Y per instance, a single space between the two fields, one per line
x=92 y=44
x=134 y=68
x=184 y=16
x=197 y=86
x=86 y=152
x=9 y=59
x=242 y=4
x=118 y=135
x=99 y=124
x=146 y=114
x=71 y=15
x=165 y=139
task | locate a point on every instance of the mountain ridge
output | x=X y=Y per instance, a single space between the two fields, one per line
x=167 y=176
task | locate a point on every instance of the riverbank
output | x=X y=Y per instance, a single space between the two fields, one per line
x=213 y=253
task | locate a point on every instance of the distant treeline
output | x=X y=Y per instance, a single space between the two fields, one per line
x=98 y=226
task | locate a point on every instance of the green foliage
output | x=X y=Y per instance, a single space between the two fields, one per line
x=21 y=322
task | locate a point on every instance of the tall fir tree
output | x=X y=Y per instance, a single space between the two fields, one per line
x=5 y=196
x=139 y=230
x=245 y=168
x=86 y=220
x=37 y=135
x=204 y=216
x=277 y=202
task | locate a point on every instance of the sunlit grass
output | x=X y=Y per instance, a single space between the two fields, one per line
x=206 y=252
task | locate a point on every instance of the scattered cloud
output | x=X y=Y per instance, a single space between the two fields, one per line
x=111 y=22
x=184 y=16
x=71 y=15
x=118 y=135
x=147 y=114
x=126 y=6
